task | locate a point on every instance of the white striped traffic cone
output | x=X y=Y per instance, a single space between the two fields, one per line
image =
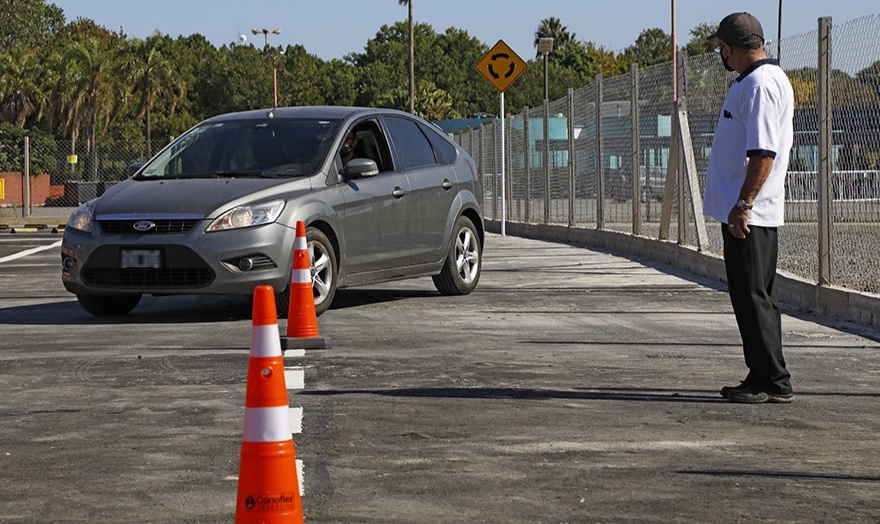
x=268 y=487
x=302 y=321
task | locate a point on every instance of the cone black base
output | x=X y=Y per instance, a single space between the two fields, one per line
x=303 y=343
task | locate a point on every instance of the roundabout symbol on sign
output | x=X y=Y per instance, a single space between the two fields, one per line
x=501 y=66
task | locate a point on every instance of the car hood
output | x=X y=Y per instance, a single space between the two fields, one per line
x=195 y=196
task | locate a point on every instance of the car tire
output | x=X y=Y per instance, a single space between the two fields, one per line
x=322 y=259
x=461 y=271
x=282 y=302
x=108 y=305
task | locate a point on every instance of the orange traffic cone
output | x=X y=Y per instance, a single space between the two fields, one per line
x=268 y=488
x=302 y=321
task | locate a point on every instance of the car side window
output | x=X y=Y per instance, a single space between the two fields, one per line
x=446 y=152
x=411 y=145
x=372 y=144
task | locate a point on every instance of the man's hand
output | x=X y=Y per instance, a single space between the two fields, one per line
x=737 y=222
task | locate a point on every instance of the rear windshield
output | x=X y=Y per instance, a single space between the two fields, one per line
x=259 y=148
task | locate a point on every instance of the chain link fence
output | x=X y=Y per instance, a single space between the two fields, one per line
x=76 y=174
x=600 y=157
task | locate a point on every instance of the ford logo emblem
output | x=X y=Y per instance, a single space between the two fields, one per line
x=144 y=226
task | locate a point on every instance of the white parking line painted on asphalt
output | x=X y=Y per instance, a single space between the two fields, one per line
x=296 y=420
x=26 y=252
x=604 y=446
x=294 y=377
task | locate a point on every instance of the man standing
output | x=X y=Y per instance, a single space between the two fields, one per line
x=745 y=192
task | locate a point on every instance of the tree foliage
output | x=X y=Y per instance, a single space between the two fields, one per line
x=28 y=23
x=150 y=77
x=552 y=28
x=652 y=47
x=699 y=43
x=78 y=80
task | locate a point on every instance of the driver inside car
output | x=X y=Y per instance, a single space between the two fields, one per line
x=346 y=152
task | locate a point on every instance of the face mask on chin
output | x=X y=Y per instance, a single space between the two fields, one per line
x=724 y=60
x=726 y=65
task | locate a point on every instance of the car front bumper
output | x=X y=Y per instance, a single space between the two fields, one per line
x=223 y=262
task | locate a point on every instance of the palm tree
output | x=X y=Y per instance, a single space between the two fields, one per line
x=552 y=27
x=21 y=86
x=89 y=90
x=150 y=75
x=412 y=74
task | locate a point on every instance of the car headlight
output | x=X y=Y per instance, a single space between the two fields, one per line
x=248 y=216
x=81 y=218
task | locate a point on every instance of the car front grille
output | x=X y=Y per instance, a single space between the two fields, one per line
x=181 y=268
x=164 y=226
x=147 y=278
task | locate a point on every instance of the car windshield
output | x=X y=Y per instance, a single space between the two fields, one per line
x=273 y=148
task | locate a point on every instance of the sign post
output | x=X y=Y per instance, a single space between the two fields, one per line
x=501 y=66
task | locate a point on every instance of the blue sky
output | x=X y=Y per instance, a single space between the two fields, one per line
x=333 y=28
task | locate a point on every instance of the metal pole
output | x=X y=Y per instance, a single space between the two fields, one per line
x=481 y=169
x=26 y=182
x=825 y=130
x=571 y=158
x=674 y=60
x=412 y=74
x=680 y=164
x=600 y=160
x=527 y=157
x=546 y=160
x=275 y=82
x=634 y=144
x=503 y=179
x=779 y=34
x=495 y=170
x=546 y=83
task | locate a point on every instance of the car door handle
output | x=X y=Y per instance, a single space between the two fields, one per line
x=447 y=184
x=398 y=193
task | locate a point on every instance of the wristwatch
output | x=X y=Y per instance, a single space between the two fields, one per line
x=742 y=204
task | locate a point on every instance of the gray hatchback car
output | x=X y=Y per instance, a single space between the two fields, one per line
x=385 y=195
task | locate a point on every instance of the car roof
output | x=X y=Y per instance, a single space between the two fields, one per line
x=311 y=112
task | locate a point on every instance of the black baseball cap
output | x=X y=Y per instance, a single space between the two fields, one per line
x=740 y=30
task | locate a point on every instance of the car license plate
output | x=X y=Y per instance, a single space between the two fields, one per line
x=141 y=258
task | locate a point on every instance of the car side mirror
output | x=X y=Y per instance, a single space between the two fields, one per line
x=133 y=168
x=361 y=167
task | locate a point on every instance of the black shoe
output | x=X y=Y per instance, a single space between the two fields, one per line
x=754 y=395
x=725 y=391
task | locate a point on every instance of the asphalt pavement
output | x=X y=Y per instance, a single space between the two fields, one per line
x=573 y=386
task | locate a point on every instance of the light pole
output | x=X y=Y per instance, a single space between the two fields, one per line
x=265 y=33
x=274 y=59
x=545 y=46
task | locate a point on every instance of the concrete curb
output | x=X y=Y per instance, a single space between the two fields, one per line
x=32 y=228
x=48 y=223
x=829 y=301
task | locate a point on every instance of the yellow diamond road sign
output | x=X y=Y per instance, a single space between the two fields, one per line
x=501 y=66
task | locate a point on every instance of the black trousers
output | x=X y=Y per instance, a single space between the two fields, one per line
x=751 y=273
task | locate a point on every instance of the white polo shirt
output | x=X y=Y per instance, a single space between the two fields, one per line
x=756 y=119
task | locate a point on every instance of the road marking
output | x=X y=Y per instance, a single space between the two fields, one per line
x=27 y=252
x=296 y=420
x=615 y=446
x=295 y=378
